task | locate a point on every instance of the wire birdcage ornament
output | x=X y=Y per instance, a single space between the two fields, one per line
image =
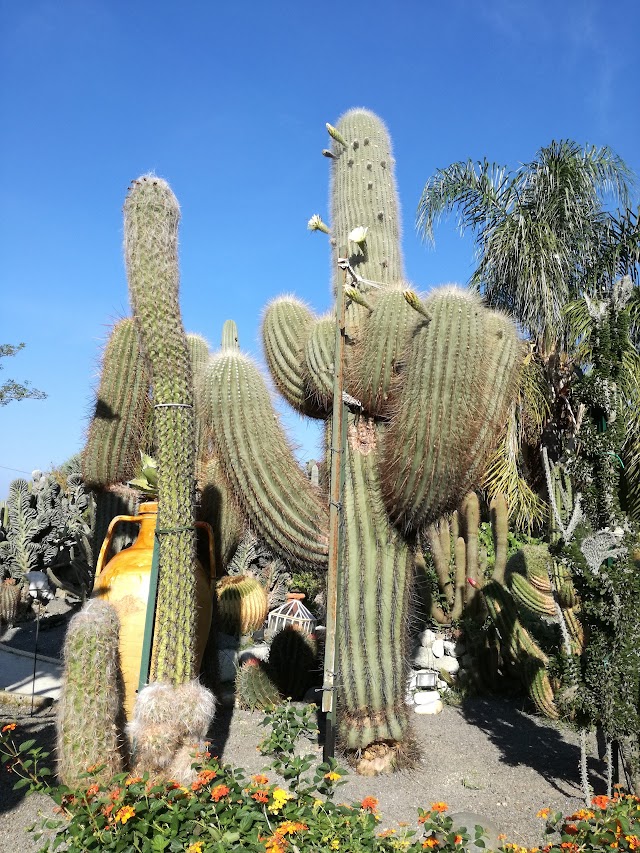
x=292 y=613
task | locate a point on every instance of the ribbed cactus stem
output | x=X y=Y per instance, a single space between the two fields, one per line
x=286 y=328
x=287 y=511
x=242 y=604
x=151 y=253
x=470 y=512
x=230 y=335
x=115 y=438
x=90 y=716
x=500 y=528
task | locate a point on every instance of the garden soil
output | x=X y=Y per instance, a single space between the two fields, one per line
x=488 y=756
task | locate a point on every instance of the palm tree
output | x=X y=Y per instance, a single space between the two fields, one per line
x=544 y=238
x=537 y=228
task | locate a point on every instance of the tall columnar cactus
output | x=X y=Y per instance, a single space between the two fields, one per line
x=151 y=242
x=90 y=717
x=432 y=381
x=114 y=441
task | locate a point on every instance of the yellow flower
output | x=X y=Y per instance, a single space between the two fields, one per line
x=543 y=813
x=196 y=847
x=335 y=844
x=318 y=803
x=333 y=776
x=123 y=814
x=280 y=797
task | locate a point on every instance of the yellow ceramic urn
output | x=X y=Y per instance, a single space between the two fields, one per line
x=124 y=582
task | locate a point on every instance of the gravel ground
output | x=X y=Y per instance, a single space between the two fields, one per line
x=488 y=756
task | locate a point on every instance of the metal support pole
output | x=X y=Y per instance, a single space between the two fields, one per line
x=338 y=447
x=150 y=619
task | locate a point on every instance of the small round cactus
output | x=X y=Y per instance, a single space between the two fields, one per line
x=242 y=604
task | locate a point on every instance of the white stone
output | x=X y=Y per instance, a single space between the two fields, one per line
x=424 y=659
x=449 y=664
x=437 y=648
x=426 y=697
x=431 y=708
x=442 y=685
x=427 y=638
x=453 y=648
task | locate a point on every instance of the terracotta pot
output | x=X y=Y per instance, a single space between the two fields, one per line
x=124 y=583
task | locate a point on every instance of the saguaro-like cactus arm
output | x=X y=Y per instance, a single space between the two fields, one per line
x=286 y=329
x=438 y=436
x=151 y=254
x=112 y=451
x=272 y=490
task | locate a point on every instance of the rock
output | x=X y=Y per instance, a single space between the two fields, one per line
x=424 y=659
x=449 y=664
x=259 y=651
x=227 y=664
x=431 y=708
x=469 y=821
x=425 y=697
x=427 y=638
x=455 y=649
x=437 y=648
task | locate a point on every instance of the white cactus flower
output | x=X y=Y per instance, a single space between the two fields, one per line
x=316 y=224
x=359 y=235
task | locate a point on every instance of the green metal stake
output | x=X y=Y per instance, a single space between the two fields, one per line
x=149 y=623
x=338 y=447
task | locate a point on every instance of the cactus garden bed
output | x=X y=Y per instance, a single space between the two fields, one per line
x=488 y=756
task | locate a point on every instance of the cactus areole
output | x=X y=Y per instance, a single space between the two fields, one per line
x=429 y=382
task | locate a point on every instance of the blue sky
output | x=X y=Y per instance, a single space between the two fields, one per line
x=228 y=102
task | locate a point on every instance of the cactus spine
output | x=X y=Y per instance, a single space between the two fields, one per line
x=255 y=688
x=151 y=236
x=90 y=716
x=112 y=451
x=293 y=660
x=242 y=604
x=418 y=378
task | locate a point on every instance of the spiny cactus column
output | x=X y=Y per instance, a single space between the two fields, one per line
x=151 y=243
x=432 y=381
x=90 y=717
x=112 y=452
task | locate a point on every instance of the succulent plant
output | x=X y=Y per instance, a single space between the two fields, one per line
x=90 y=715
x=256 y=689
x=429 y=382
x=242 y=604
x=293 y=661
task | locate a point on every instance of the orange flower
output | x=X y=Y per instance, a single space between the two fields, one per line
x=260 y=797
x=124 y=814
x=289 y=827
x=430 y=842
x=131 y=780
x=369 y=804
x=634 y=842
x=439 y=807
x=92 y=790
x=219 y=792
x=569 y=845
x=275 y=844
x=543 y=813
x=260 y=779
x=457 y=839
x=600 y=802
x=10 y=727
x=113 y=795
x=204 y=777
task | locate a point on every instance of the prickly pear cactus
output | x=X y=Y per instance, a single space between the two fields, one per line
x=429 y=382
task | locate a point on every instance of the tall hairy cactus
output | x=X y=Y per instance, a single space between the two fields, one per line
x=90 y=717
x=431 y=379
x=151 y=254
